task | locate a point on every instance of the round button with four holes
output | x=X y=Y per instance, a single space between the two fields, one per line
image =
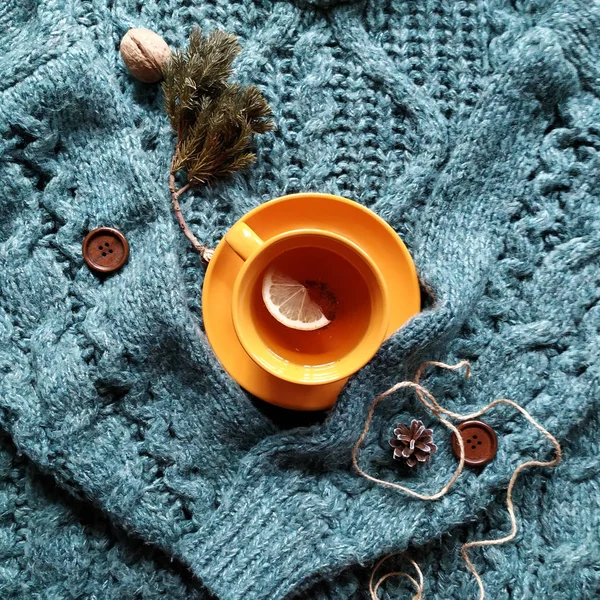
x=105 y=249
x=480 y=443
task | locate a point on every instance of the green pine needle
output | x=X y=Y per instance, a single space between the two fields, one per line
x=214 y=119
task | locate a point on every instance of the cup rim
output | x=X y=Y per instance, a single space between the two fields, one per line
x=382 y=286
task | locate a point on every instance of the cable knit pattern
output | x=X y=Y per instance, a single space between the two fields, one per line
x=52 y=546
x=472 y=127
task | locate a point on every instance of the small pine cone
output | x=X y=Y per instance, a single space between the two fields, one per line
x=414 y=445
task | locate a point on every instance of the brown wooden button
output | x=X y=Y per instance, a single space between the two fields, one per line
x=479 y=440
x=105 y=250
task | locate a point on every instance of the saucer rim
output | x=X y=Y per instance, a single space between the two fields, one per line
x=317 y=397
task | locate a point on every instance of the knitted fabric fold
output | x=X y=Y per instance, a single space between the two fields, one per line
x=296 y=529
x=53 y=546
x=472 y=130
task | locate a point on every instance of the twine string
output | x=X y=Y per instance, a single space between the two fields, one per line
x=374 y=588
x=428 y=400
x=421 y=394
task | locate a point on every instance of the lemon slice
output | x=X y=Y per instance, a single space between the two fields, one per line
x=288 y=301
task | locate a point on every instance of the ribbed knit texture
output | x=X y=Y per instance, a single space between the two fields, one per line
x=133 y=466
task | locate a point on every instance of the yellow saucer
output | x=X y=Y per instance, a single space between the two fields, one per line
x=309 y=210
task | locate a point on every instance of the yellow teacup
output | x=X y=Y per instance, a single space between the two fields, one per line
x=360 y=314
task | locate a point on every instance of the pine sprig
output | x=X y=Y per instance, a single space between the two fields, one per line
x=196 y=75
x=213 y=118
x=217 y=143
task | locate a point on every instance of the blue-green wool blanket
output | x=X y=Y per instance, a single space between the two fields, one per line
x=133 y=467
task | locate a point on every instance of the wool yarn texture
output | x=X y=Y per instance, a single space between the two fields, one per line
x=132 y=465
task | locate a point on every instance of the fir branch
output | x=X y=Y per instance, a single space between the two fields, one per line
x=202 y=249
x=214 y=119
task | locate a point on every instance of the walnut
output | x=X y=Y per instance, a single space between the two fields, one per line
x=144 y=54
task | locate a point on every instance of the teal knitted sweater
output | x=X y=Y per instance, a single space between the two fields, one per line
x=133 y=466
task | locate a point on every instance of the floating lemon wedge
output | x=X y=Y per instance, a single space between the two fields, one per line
x=288 y=301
